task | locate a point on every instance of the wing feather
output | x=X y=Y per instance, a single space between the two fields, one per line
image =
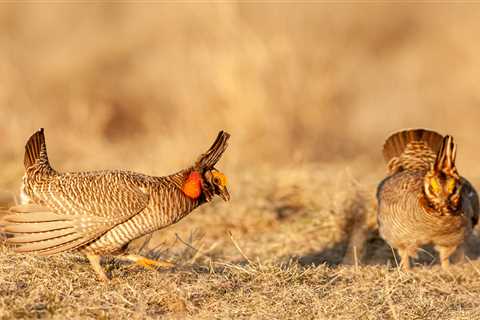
x=40 y=236
x=75 y=210
x=50 y=244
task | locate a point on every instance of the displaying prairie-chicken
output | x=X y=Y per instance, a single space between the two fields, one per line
x=424 y=200
x=99 y=213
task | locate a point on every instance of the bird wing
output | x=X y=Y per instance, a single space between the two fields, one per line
x=74 y=211
x=470 y=202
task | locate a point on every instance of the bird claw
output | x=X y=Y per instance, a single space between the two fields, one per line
x=148 y=263
x=154 y=264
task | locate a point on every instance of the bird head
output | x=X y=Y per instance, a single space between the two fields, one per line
x=217 y=182
x=209 y=183
x=205 y=178
x=442 y=183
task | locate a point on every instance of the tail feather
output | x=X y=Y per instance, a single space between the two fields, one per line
x=412 y=149
x=36 y=150
x=396 y=144
x=211 y=157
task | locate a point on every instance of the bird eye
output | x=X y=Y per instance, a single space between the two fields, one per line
x=451 y=184
x=434 y=185
x=219 y=179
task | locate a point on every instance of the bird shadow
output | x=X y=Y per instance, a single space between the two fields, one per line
x=376 y=251
x=182 y=253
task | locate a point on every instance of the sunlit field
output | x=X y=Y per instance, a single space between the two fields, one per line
x=308 y=92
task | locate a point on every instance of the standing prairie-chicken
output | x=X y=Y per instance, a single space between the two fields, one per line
x=99 y=213
x=424 y=200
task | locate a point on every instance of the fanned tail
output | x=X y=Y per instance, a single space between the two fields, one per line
x=396 y=144
x=211 y=157
x=36 y=150
x=411 y=149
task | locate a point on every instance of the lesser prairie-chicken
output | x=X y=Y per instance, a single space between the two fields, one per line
x=424 y=200
x=99 y=213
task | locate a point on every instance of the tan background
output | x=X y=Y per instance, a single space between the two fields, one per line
x=309 y=93
x=147 y=87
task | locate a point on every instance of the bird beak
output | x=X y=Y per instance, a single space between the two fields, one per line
x=224 y=194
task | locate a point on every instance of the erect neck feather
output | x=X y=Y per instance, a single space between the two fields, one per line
x=192 y=187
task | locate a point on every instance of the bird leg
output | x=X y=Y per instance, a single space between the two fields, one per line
x=95 y=262
x=404 y=259
x=459 y=255
x=147 y=263
x=445 y=253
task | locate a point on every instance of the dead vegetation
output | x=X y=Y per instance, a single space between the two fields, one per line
x=243 y=260
x=308 y=93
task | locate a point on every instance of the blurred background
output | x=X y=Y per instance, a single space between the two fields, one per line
x=147 y=87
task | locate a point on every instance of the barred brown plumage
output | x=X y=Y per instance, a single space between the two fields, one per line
x=424 y=200
x=99 y=213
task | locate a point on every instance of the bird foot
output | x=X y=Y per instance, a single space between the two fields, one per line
x=149 y=263
x=95 y=262
x=102 y=276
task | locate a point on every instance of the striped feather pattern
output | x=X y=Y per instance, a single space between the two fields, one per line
x=411 y=149
x=407 y=220
x=211 y=157
x=404 y=223
x=36 y=150
x=97 y=212
x=39 y=229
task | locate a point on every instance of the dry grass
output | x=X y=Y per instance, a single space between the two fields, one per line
x=308 y=92
x=260 y=290
x=275 y=254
